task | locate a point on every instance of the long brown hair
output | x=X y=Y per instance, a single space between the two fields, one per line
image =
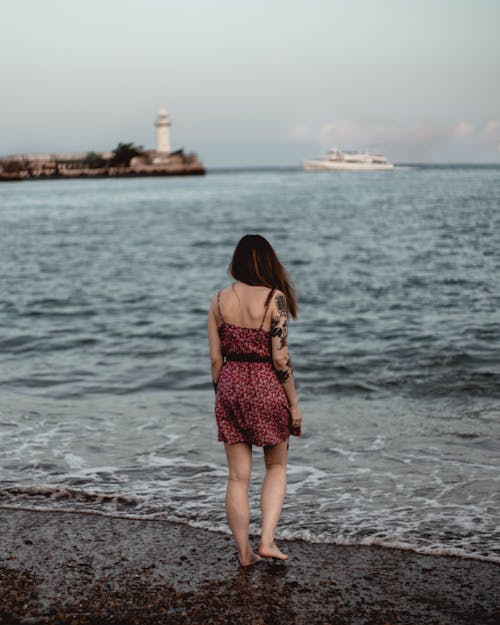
x=255 y=262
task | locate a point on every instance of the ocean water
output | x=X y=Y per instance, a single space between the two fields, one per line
x=106 y=404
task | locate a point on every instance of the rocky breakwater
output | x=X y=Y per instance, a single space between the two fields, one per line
x=125 y=161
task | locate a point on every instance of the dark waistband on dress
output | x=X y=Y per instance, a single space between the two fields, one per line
x=247 y=358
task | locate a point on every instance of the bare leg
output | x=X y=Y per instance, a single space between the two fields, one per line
x=272 y=497
x=239 y=460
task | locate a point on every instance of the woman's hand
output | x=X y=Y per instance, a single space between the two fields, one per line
x=296 y=416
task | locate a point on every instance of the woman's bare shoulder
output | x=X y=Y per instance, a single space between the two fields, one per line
x=223 y=292
x=220 y=294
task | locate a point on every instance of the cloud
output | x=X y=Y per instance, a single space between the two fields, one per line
x=416 y=141
x=462 y=129
x=491 y=133
x=411 y=141
x=491 y=130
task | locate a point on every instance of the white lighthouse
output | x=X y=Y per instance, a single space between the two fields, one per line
x=163 y=124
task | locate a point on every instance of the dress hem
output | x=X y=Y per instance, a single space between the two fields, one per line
x=257 y=444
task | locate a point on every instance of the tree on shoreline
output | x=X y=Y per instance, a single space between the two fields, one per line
x=94 y=160
x=124 y=153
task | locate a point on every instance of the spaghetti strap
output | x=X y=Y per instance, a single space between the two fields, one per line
x=268 y=303
x=218 y=307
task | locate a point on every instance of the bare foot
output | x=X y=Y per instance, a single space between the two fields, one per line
x=250 y=558
x=272 y=552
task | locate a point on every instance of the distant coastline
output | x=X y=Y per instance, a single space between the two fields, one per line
x=99 y=165
x=125 y=161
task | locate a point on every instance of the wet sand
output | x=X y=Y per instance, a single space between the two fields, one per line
x=75 y=568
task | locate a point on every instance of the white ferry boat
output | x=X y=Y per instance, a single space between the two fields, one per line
x=358 y=161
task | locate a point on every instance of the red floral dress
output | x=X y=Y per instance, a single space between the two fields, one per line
x=250 y=403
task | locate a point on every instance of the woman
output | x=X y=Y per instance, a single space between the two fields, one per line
x=256 y=402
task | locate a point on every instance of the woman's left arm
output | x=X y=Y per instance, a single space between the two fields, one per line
x=216 y=359
x=281 y=357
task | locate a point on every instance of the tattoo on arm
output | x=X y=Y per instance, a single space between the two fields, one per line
x=284 y=376
x=279 y=322
x=275 y=329
x=279 y=329
x=281 y=305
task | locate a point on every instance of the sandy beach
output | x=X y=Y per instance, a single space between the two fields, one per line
x=74 y=568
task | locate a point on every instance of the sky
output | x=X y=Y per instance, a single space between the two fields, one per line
x=254 y=83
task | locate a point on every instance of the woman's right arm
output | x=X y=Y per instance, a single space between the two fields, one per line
x=281 y=357
x=216 y=359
